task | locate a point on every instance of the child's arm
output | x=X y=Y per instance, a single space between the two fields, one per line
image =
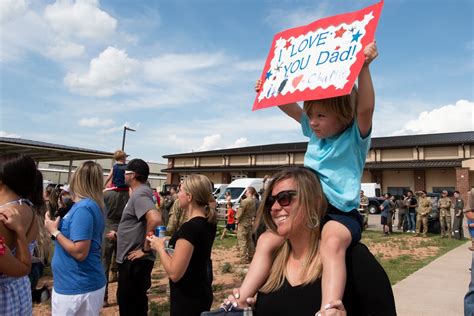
x=293 y=110
x=260 y=266
x=366 y=99
x=109 y=177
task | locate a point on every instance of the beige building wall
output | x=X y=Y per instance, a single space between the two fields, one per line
x=402 y=178
x=239 y=160
x=435 y=153
x=210 y=161
x=397 y=154
x=366 y=177
x=275 y=159
x=299 y=158
x=184 y=162
x=440 y=178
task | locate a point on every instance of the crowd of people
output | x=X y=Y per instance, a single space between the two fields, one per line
x=308 y=226
x=412 y=212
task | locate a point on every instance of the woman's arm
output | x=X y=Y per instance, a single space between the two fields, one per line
x=20 y=264
x=177 y=264
x=79 y=250
x=366 y=98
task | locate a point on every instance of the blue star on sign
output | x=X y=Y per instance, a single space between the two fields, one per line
x=355 y=37
x=269 y=74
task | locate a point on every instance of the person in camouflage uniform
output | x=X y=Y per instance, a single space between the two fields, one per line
x=177 y=217
x=244 y=220
x=444 y=205
x=364 y=209
x=424 y=208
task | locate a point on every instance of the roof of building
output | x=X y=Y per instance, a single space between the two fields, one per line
x=371 y=166
x=41 y=151
x=425 y=140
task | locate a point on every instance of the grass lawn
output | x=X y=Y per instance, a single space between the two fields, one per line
x=401 y=254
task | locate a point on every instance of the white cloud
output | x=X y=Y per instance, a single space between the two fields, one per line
x=9 y=9
x=448 y=118
x=211 y=142
x=7 y=134
x=95 y=121
x=64 y=49
x=81 y=18
x=241 y=142
x=108 y=74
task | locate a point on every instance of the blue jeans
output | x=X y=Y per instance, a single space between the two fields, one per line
x=411 y=221
x=469 y=298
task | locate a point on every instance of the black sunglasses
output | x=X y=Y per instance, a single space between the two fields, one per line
x=283 y=198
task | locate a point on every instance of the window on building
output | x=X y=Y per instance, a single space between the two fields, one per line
x=440 y=189
x=397 y=191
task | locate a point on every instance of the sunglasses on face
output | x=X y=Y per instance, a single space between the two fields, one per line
x=283 y=198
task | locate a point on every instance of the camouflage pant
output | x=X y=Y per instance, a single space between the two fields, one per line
x=445 y=222
x=422 y=219
x=245 y=241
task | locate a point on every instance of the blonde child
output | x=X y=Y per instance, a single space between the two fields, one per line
x=117 y=173
x=339 y=130
x=230 y=226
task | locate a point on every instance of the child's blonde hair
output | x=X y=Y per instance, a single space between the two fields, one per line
x=343 y=106
x=119 y=155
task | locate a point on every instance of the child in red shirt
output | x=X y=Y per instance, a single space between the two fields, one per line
x=230 y=220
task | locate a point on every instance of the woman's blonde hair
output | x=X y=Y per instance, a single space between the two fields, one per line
x=309 y=203
x=88 y=182
x=200 y=188
x=343 y=107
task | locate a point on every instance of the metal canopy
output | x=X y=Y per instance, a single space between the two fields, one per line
x=40 y=151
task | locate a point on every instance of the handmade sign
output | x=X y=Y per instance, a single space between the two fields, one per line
x=319 y=60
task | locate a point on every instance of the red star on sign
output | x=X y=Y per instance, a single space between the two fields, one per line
x=337 y=47
x=288 y=44
x=340 y=32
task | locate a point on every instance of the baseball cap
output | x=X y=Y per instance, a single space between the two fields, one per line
x=139 y=167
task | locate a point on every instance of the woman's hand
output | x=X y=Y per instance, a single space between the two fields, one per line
x=135 y=254
x=51 y=225
x=11 y=218
x=157 y=243
x=236 y=301
x=370 y=53
x=333 y=308
x=111 y=235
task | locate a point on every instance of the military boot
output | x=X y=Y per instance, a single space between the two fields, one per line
x=472 y=245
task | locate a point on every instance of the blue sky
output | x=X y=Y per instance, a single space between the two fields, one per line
x=182 y=72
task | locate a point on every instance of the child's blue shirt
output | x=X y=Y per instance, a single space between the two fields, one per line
x=339 y=162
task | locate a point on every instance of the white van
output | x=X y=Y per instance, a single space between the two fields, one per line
x=237 y=188
x=219 y=188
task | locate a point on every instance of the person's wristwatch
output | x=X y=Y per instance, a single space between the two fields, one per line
x=55 y=234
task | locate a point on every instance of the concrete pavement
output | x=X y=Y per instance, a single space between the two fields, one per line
x=436 y=289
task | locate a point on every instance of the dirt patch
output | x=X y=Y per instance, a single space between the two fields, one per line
x=397 y=247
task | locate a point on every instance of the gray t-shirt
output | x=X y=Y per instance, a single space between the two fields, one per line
x=132 y=228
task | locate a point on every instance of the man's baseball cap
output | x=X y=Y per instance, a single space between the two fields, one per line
x=139 y=167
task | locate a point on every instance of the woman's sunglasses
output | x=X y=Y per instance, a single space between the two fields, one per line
x=283 y=198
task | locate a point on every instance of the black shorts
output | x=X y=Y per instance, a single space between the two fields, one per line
x=352 y=220
x=383 y=220
x=230 y=226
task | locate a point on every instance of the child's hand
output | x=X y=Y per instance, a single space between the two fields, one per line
x=258 y=85
x=370 y=53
